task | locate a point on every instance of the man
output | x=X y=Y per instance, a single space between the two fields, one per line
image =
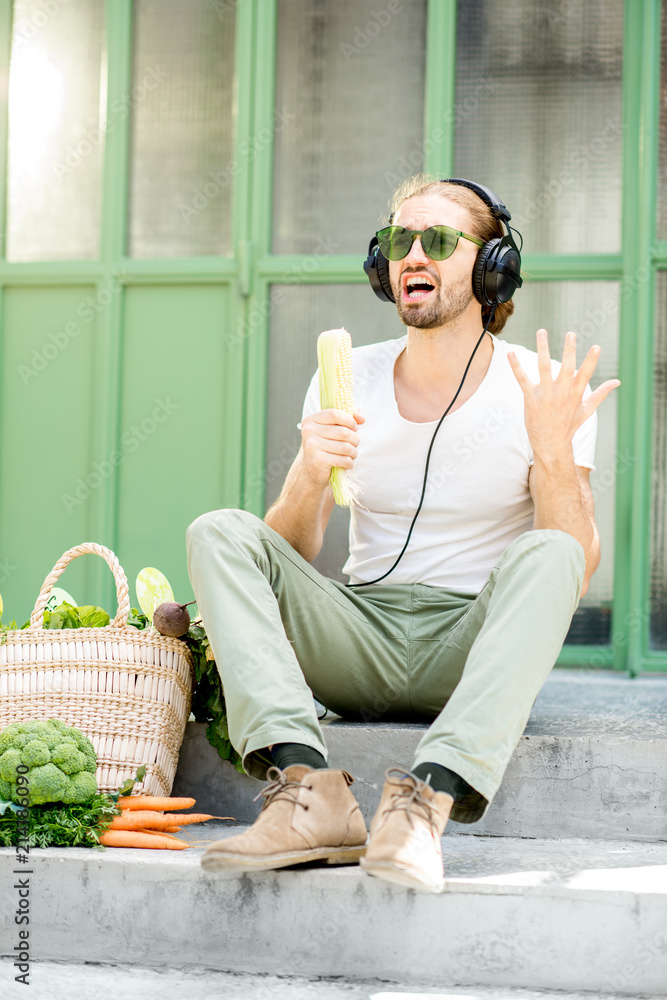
x=463 y=629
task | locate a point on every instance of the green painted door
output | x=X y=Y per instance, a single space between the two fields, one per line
x=122 y=408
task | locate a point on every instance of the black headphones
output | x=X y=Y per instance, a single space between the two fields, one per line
x=497 y=271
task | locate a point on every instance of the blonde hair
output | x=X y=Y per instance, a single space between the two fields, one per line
x=484 y=224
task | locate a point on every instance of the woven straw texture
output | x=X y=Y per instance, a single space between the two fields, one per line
x=128 y=691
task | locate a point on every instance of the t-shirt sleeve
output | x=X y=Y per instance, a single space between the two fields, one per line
x=312 y=401
x=583 y=442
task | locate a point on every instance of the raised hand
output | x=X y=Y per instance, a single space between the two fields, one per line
x=555 y=408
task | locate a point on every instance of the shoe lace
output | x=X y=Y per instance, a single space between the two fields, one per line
x=409 y=796
x=280 y=786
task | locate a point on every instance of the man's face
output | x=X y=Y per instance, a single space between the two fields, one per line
x=446 y=291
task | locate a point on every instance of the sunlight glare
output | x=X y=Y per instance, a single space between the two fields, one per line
x=35 y=105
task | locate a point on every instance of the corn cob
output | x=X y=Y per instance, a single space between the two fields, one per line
x=334 y=359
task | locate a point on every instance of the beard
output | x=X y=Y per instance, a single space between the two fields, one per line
x=438 y=310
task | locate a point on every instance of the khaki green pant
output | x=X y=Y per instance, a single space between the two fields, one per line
x=471 y=665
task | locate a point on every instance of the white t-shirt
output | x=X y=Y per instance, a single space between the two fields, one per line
x=477 y=499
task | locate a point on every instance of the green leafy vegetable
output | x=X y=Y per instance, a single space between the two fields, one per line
x=11 y=627
x=4 y=806
x=67 y=616
x=137 y=619
x=57 y=825
x=128 y=784
x=208 y=701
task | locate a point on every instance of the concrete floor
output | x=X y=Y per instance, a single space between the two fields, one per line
x=55 y=981
x=545 y=914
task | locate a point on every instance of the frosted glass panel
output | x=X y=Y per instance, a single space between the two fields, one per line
x=299 y=314
x=539 y=116
x=182 y=156
x=658 y=634
x=350 y=84
x=662 y=157
x=591 y=309
x=57 y=92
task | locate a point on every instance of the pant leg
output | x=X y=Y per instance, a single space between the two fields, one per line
x=497 y=659
x=281 y=632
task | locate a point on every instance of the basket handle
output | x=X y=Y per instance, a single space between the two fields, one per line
x=122 y=592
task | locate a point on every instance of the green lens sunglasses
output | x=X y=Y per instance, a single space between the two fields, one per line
x=438 y=242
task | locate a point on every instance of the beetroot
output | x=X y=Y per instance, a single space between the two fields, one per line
x=172 y=619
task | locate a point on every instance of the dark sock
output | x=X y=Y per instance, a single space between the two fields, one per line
x=442 y=779
x=286 y=754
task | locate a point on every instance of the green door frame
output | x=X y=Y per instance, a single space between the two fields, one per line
x=641 y=96
x=257 y=274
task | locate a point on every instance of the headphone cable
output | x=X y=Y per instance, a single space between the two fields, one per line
x=428 y=457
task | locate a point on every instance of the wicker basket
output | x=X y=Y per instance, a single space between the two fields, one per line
x=128 y=691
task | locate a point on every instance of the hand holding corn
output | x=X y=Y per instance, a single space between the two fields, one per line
x=334 y=358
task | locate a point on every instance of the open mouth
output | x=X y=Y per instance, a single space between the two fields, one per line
x=417 y=286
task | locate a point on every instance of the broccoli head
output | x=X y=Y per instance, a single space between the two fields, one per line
x=35 y=753
x=81 y=787
x=6 y=740
x=68 y=757
x=46 y=761
x=46 y=784
x=9 y=761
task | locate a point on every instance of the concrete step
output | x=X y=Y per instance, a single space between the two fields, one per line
x=571 y=915
x=591 y=763
x=63 y=981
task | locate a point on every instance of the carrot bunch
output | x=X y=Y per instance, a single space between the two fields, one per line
x=150 y=821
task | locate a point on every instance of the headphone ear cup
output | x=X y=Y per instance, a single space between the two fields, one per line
x=383 y=276
x=480 y=275
x=508 y=271
x=497 y=272
x=376 y=267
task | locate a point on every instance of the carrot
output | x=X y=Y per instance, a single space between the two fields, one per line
x=185 y=818
x=135 y=838
x=159 y=834
x=154 y=802
x=140 y=819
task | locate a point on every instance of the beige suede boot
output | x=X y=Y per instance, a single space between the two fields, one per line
x=404 y=844
x=308 y=815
